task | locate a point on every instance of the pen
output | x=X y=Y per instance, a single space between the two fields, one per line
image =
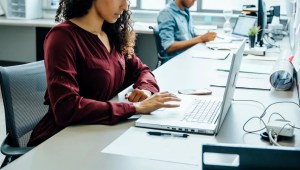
x=168 y=134
x=210 y=48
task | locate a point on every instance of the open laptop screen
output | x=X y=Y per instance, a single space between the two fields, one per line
x=243 y=24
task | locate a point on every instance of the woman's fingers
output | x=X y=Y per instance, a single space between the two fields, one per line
x=171 y=105
x=165 y=97
x=135 y=98
x=137 y=95
x=168 y=99
x=159 y=100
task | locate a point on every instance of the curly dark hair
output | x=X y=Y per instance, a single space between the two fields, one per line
x=120 y=32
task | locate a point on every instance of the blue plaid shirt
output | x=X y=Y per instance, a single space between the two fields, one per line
x=174 y=25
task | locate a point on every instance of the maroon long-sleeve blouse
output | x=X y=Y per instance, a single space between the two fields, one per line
x=81 y=77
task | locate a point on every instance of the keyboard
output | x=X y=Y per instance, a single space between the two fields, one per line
x=202 y=111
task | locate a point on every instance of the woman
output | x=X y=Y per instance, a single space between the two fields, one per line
x=89 y=59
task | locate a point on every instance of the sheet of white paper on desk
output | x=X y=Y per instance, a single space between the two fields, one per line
x=136 y=142
x=198 y=51
x=218 y=40
x=245 y=81
x=222 y=46
x=263 y=58
x=250 y=68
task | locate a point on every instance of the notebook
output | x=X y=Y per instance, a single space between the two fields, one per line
x=241 y=28
x=184 y=117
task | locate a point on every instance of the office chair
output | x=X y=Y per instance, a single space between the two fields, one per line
x=161 y=56
x=23 y=88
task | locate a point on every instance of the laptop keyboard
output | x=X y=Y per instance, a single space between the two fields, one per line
x=202 y=111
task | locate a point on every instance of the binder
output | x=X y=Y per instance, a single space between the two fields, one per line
x=252 y=157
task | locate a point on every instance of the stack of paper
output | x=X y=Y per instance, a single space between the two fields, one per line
x=200 y=51
x=222 y=46
x=250 y=68
x=245 y=80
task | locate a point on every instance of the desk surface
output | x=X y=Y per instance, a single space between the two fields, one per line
x=139 y=27
x=79 y=147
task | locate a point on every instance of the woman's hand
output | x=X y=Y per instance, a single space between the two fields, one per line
x=137 y=95
x=158 y=100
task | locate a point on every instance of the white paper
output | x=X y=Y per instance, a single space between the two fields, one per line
x=222 y=46
x=249 y=68
x=200 y=51
x=245 y=80
x=136 y=142
x=218 y=41
x=264 y=58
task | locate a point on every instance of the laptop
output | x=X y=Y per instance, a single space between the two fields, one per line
x=186 y=119
x=240 y=29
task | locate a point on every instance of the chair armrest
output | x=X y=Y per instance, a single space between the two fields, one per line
x=8 y=150
x=162 y=58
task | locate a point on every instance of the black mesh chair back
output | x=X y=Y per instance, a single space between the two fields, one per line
x=23 y=88
x=161 y=55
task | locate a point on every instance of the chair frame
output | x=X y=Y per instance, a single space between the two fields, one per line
x=10 y=146
x=161 y=56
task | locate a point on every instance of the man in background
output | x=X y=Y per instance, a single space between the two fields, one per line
x=176 y=28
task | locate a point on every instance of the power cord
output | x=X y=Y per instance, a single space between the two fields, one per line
x=275 y=113
x=273 y=140
x=269 y=44
x=255 y=101
x=276 y=128
x=264 y=112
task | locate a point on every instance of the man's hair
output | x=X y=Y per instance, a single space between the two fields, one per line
x=120 y=33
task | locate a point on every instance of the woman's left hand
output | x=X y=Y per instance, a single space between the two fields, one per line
x=137 y=95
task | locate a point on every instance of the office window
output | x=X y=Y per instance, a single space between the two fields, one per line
x=230 y=4
x=133 y=3
x=194 y=7
x=214 y=5
x=206 y=5
x=153 y=4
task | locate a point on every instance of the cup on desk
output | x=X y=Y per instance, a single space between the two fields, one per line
x=282 y=75
x=252 y=40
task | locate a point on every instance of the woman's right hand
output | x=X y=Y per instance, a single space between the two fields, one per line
x=157 y=101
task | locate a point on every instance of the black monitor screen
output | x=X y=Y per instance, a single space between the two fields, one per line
x=261 y=20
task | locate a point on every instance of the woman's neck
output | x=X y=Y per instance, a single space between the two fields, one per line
x=90 y=22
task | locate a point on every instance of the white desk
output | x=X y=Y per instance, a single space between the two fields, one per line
x=79 y=147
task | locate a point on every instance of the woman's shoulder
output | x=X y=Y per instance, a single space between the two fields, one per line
x=65 y=26
x=64 y=30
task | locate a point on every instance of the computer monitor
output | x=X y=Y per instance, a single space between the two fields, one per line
x=276 y=11
x=290 y=12
x=289 y=4
x=261 y=20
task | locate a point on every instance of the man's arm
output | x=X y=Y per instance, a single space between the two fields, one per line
x=181 y=45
